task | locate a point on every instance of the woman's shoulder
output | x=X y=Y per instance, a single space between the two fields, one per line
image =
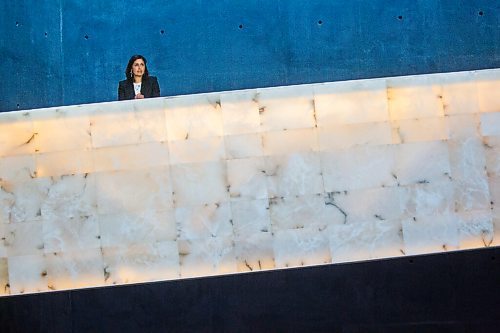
x=123 y=82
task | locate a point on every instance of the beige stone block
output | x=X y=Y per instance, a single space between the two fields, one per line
x=286 y=108
x=351 y=102
x=193 y=117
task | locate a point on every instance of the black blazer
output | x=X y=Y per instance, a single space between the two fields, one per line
x=149 y=88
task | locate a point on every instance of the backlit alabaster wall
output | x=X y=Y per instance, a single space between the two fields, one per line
x=168 y=188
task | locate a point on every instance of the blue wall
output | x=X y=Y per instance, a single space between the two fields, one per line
x=74 y=51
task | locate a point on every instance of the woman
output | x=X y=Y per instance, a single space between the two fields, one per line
x=138 y=83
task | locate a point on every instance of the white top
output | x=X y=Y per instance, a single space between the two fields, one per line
x=137 y=88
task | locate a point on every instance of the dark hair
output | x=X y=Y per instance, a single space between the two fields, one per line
x=131 y=62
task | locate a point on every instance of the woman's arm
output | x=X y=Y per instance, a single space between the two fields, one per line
x=121 y=92
x=155 y=91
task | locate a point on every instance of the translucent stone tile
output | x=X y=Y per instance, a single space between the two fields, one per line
x=114 y=124
x=496 y=232
x=198 y=184
x=359 y=167
x=376 y=204
x=424 y=129
x=449 y=78
x=285 y=108
x=61 y=129
x=208 y=256
x=494 y=185
x=427 y=199
x=422 y=162
x=77 y=269
x=414 y=97
x=290 y=141
x=475 y=229
x=460 y=94
x=64 y=163
x=247 y=178
x=468 y=171
x=121 y=228
x=368 y=240
x=255 y=252
x=4 y=277
x=21 y=202
x=70 y=197
x=388 y=239
x=492 y=154
x=300 y=247
x=490 y=124
x=7 y=201
x=488 y=86
x=191 y=117
x=240 y=113
x=351 y=102
x=17 y=136
x=250 y=217
x=141 y=263
x=23 y=239
x=209 y=220
x=294 y=174
x=463 y=126
x=197 y=150
x=27 y=274
x=348 y=136
x=17 y=169
x=150 y=116
x=133 y=191
x=297 y=212
x=3 y=235
x=243 y=146
x=467 y=158
x=431 y=234
x=70 y=234
x=131 y=157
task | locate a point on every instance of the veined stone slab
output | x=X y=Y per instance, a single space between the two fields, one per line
x=242 y=181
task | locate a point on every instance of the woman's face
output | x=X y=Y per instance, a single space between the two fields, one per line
x=138 y=67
